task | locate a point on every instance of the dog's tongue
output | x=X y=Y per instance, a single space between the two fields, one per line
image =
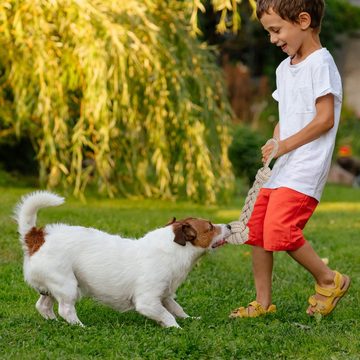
x=219 y=243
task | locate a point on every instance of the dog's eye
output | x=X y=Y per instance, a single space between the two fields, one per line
x=211 y=227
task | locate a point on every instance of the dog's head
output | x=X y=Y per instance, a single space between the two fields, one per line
x=199 y=232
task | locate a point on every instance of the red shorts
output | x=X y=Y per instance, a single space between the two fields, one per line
x=278 y=218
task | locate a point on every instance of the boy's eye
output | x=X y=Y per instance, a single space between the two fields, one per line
x=273 y=31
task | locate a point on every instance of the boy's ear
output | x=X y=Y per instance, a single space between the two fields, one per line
x=304 y=20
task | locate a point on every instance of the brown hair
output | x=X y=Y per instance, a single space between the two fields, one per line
x=291 y=9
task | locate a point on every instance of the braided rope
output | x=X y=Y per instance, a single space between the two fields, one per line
x=239 y=229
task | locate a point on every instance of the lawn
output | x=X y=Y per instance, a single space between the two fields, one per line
x=221 y=281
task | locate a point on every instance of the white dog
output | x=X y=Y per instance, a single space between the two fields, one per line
x=63 y=262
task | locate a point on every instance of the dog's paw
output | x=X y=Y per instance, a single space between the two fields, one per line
x=172 y=326
x=49 y=316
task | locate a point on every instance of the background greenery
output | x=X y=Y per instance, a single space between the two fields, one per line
x=221 y=281
x=120 y=98
x=114 y=94
x=244 y=152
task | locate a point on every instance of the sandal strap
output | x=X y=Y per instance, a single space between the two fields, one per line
x=312 y=301
x=333 y=290
x=316 y=303
x=258 y=307
x=259 y=310
x=337 y=279
x=324 y=291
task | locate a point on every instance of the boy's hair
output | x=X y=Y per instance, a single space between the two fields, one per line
x=291 y=9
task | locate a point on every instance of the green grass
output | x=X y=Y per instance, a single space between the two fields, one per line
x=221 y=281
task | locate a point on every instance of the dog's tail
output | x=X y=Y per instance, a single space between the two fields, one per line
x=26 y=210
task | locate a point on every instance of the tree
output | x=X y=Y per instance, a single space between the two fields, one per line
x=228 y=10
x=115 y=94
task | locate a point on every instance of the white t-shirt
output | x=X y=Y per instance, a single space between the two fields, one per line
x=305 y=169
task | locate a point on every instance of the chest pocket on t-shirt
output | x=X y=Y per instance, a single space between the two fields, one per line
x=304 y=100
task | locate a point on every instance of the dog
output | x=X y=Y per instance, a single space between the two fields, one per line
x=63 y=263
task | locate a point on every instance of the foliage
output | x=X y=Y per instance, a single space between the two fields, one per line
x=22 y=159
x=221 y=281
x=115 y=94
x=349 y=130
x=336 y=21
x=229 y=16
x=245 y=153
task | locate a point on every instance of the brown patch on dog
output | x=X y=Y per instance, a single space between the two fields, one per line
x=199 y=232
x=34 y=240
x=183 y=232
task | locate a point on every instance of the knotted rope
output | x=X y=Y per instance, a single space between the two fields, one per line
x=239 y=229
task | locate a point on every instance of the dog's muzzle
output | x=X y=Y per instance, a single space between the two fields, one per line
x=223 y=241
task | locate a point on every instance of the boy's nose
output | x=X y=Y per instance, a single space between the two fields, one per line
x=273 y=39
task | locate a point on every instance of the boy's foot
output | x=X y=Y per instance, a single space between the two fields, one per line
x=326 y=298
x=254 y=309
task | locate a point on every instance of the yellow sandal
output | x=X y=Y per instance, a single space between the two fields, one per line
x=243 y=312
x=333 y=295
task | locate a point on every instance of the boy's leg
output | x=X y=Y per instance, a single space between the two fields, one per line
x=309 y=259
x=262 y=261
x=323 y=275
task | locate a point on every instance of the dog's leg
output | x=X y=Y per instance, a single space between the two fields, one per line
x=45 y=307
x=66 y=293
x=174 y=308
x=67 y=311
x=153 y=309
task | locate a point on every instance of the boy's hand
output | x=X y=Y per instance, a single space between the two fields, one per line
x=267 y=149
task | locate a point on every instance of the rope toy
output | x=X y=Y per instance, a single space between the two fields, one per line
x=239 y=229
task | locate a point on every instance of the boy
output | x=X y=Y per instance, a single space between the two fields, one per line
x=309 y=94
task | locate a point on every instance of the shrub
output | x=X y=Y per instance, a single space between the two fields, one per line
x=245 y=153
x=349 y=130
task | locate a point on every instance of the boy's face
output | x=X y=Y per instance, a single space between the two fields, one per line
x=285 y=34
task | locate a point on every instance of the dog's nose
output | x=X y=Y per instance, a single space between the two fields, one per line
x=228 y=226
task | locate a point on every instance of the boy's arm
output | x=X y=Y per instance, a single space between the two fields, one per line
x=276 y=134
x=322 y=122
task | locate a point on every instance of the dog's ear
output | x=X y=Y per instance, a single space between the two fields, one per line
x=171 y=221
x=183 y=233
